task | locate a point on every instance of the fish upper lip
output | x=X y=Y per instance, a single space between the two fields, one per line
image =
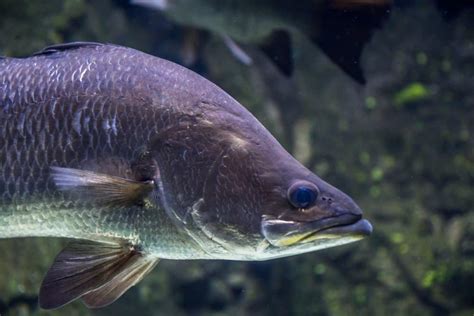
x=362 y=227
x=330 y=222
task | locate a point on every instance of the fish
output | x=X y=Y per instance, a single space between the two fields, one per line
x=339 y=28
x=136 y=159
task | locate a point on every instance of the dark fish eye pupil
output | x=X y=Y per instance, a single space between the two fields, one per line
x=303 y=197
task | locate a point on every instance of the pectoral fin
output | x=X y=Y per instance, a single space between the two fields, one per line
x=237 y=51
x=101 y=188
x=98 y=272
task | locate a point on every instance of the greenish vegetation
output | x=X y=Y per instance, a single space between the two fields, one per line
x=402 y=146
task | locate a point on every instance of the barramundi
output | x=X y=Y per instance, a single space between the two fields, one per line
x=340 y=28
x=137 y=159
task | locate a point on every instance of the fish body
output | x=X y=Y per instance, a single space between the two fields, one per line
x=138 y=159
x=56 y=112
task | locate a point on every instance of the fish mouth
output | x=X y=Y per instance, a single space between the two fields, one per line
x=281 y=233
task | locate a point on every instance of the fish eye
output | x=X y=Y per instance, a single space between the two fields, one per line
x=302 y=194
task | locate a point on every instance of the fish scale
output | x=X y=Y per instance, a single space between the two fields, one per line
x=27 y=154
x=108 y=128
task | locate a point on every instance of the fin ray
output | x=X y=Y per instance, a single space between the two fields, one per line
x=85 y=266
x=116 y=287
x=101 y=188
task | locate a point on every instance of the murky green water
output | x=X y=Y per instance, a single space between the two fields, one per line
x=401 y=145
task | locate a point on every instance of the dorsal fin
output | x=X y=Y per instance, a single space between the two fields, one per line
x=343 y=32
x=277 y=47
x=66 y=46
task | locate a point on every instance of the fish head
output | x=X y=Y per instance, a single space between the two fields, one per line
x=304 y=213
x=232 y=184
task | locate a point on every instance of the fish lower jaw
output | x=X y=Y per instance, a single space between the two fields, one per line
x=274 y=252
x=358 y=230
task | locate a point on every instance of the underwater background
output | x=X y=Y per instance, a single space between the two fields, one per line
x=402 y=146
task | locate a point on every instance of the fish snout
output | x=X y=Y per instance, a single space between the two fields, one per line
x=348 y=208
x=339 y=204
x=345 y=212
